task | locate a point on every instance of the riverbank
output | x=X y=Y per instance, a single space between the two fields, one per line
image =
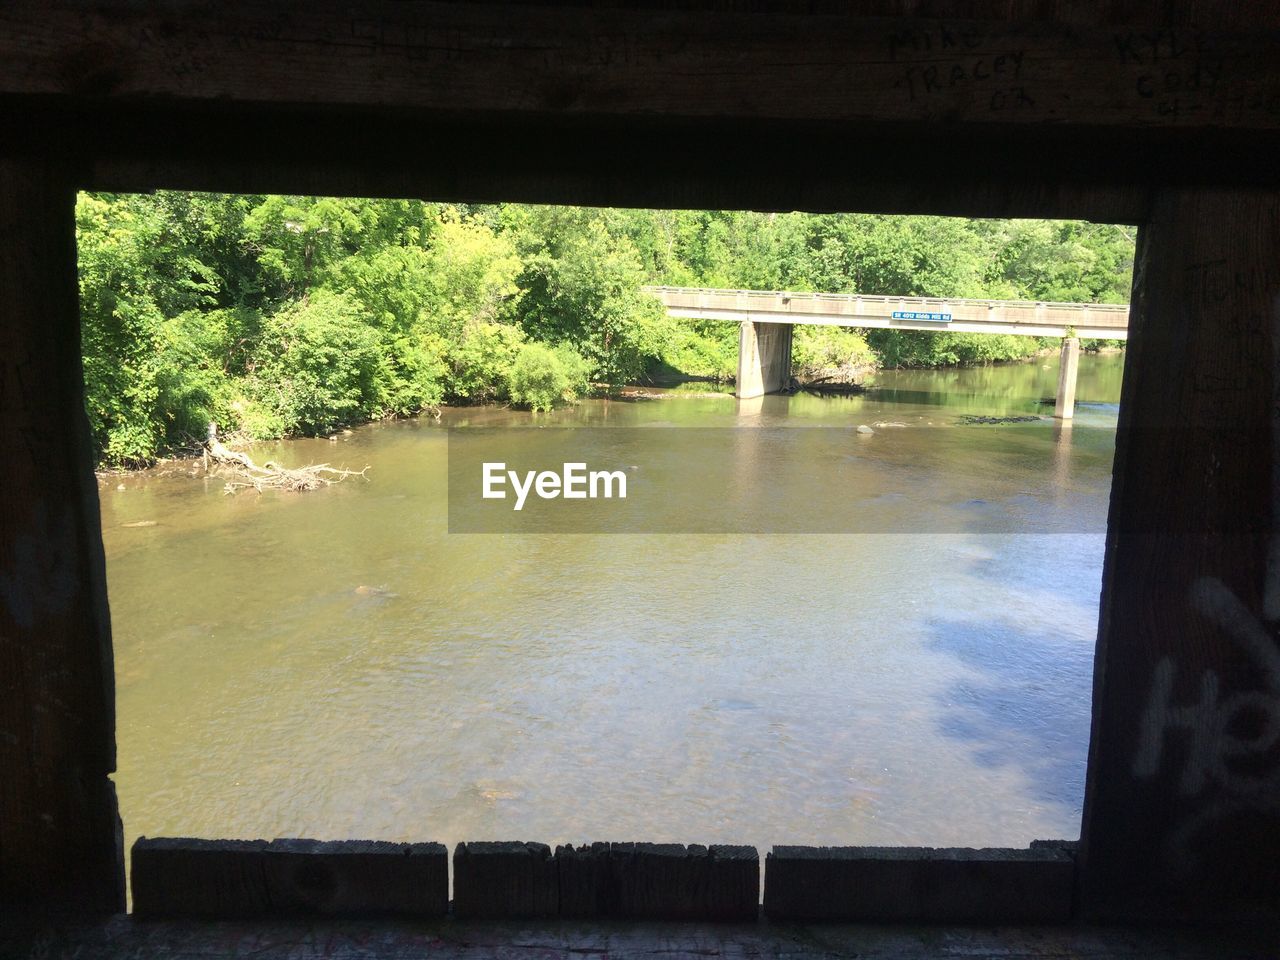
x=666 y=389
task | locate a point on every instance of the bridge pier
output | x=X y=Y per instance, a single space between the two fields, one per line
x=1064 y=405
x=764 y=358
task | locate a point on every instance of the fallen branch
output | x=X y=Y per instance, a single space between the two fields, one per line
x=823 y=386
x=270 y=475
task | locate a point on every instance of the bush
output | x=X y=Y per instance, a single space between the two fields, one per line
x=702 y=349
x=832 y=353
x=317 y=365
x=411 y=374
x=912 y=348
x=480 y=364
x=543 y=377
x=255 y=420
x=1094 y=345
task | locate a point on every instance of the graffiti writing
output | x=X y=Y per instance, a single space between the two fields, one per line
x=1228 y=731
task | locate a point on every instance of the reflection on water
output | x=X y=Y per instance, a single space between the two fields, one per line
x=336 y=664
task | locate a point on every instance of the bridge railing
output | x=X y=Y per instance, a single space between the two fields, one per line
x=880 y=298
x=853 y=305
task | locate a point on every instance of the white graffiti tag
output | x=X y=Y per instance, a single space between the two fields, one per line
x=1225 y=732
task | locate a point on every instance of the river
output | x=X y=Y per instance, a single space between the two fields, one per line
x=338 y=664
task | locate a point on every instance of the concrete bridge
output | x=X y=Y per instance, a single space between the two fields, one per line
x=767 y=318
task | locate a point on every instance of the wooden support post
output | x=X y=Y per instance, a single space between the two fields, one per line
x=1182 y=804
x=1064 y=407
x=60 y=841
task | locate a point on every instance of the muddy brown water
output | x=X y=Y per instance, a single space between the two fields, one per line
x=337 y=664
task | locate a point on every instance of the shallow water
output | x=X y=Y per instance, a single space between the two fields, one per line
x=337 y=664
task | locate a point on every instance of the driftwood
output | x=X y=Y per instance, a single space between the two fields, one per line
x=822 y=387
x=270 y=475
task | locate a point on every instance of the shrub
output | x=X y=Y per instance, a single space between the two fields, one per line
x=481 y=362
x=707 y=349
x=831 y=352
x=256 y=420
x=912 y=348
x=543 y=377
x=317 y=364
x=411 y=374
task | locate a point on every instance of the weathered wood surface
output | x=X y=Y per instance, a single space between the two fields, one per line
x=1182 y=806
x=59 y=829
x=1117 y=115
x=533 y=59
x=919 y=884
x=121 y=939
x=229 y=879
x=659 y=881
x=505 y=880
x=759 y=105
x=585 y=164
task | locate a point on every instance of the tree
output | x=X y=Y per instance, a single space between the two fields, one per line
x=286 y=314
x=317 y=365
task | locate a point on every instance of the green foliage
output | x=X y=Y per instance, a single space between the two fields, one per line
x=705 y=348
x=317 y=364
x=582 y=284
x=544 y=377
x=918 y=348
x=282 y=314
x=128 y=275
x=832 y=352
x=296 y=240
x=1063 y=261
x=481 y=362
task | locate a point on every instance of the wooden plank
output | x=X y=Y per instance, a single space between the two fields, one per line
x=664 y=109
x=669 y=881
x=125 y=939
x=499 y=880
x=618 y=161
x=585 y=888
x=1182 y=804
x=589 y=167
x=59 y=829
x=221 y=879
x=659 y=881
x=532 y=59
x=913 y=884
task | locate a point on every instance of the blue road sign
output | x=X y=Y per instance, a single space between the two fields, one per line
x=915 y=315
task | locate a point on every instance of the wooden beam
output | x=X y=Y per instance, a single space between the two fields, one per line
x=542 y=60
x=633 y=162
x=1182 y=804
x=763 y=107
x=1114 y=116
x=59 y=830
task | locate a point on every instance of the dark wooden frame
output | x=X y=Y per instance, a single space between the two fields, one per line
x=1125 y=111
